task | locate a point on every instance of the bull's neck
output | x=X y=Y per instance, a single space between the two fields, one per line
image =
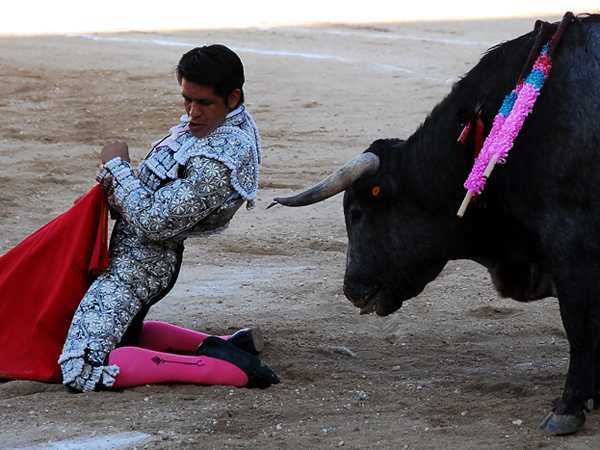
x=435 y=161
x=432 y=157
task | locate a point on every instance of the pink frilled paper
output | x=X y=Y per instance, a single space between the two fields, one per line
x=507 y=124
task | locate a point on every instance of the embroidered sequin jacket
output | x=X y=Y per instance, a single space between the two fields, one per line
x=159 y=203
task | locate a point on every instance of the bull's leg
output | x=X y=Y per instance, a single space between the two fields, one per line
x=582 y=324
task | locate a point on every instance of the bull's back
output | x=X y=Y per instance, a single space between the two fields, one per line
x=554 y=167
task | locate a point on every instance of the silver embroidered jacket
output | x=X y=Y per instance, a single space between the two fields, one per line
x=156 y=214
x=185 y=187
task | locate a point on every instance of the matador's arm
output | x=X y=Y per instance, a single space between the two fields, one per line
x=175 y=207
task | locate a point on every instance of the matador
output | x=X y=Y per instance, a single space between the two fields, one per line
x=190 y=184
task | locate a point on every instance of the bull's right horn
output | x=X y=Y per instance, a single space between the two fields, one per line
x=363 y=166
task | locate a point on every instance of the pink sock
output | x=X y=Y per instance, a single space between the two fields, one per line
x=165 y=337
x=138 y=366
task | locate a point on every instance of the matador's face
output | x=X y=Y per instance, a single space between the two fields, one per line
x=205 y=110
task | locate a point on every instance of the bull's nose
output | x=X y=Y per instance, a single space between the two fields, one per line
x=359 y=293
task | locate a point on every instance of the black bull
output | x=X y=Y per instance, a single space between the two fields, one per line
x=536 y=226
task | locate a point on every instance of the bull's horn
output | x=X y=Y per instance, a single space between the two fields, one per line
x=363 y=166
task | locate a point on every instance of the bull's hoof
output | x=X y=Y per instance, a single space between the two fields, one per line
x=557 y=425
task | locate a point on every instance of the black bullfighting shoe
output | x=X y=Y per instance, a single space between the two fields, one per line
x=249 y=339
x=259 y=375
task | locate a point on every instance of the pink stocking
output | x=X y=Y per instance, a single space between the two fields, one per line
x=164 y=337
x=140 y=366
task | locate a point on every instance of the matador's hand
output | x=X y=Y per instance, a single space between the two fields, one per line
x=116 y=149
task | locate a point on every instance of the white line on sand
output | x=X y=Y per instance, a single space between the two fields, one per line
x=266 y=52
x=108 y=442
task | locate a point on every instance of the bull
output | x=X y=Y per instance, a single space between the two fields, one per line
x=535 y=226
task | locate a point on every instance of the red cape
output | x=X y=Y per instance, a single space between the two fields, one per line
x=42 y=281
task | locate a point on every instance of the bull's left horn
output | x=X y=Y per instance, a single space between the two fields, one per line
x=363 y=166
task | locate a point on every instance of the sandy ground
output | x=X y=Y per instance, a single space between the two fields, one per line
x=457 y=367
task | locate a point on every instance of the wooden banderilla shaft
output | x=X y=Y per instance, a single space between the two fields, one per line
x=469 y=196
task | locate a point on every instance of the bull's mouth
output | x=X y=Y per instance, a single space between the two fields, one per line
x=379 y=303
x=369 y=308
x=365 y=299
x=376 y=299
x=371 y=302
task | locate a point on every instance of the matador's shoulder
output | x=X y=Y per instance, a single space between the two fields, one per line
x=236 y=143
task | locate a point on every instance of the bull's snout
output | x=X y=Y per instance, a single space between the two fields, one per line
x=362 y=295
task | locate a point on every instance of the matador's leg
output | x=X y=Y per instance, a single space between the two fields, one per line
x=217 y=362
x=139 y=273
x=164 y=337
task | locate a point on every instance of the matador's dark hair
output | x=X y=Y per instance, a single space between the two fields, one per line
x=213 y=65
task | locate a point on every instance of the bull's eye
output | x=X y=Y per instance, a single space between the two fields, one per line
x=355 y=215
x=375 y=191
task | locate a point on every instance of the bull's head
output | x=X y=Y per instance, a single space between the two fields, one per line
x=387 y=237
